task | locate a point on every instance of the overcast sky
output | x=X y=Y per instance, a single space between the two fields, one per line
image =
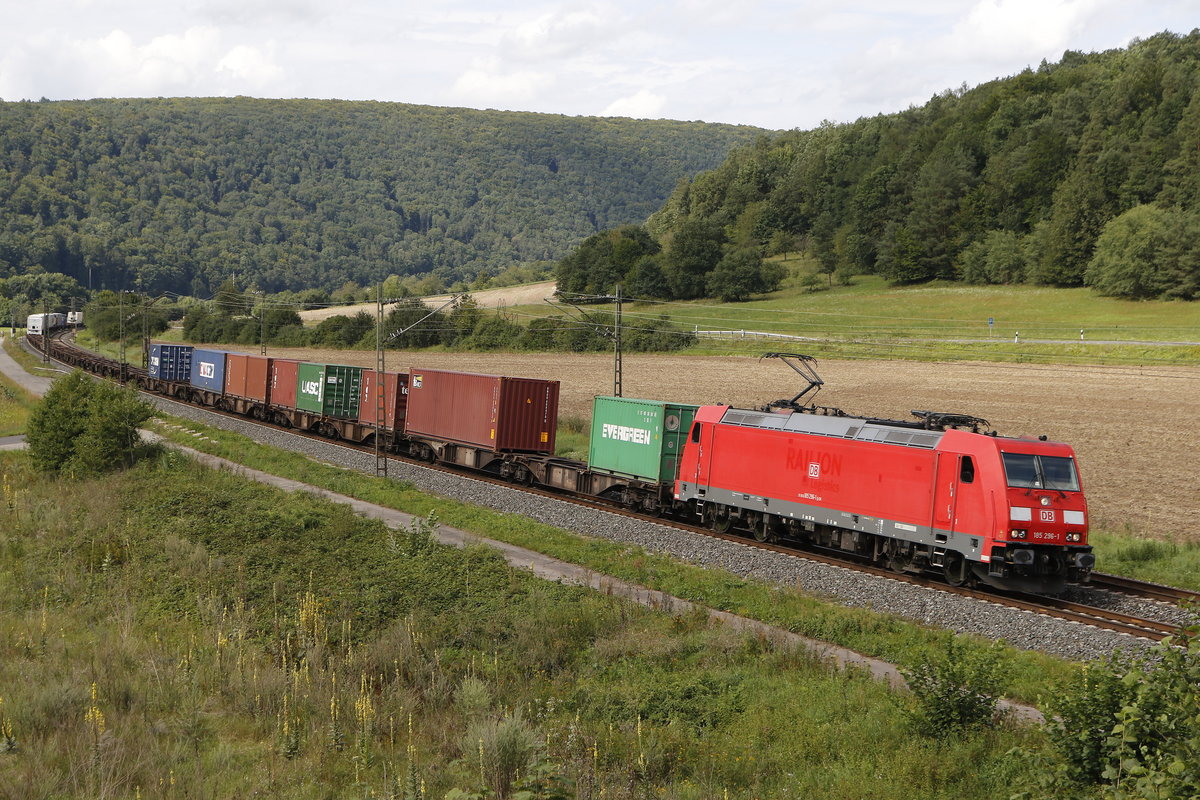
x=770 y=63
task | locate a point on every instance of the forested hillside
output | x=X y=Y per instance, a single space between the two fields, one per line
x=290 y=194
x=1086 y=171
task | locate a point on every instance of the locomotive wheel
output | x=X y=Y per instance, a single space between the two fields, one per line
x=762 y=530
x=719 y=520
x=955 y=569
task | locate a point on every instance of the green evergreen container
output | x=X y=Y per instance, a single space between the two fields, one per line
x=329 y=389
x=639 y=438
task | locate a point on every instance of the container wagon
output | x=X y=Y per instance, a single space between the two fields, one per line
x=490 y=412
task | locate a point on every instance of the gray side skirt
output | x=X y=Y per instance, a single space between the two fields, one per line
x=970 y=546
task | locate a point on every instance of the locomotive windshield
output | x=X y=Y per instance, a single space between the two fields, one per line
x=1027 y=471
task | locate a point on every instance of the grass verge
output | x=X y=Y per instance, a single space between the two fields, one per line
x=1167 y=562
x=15 y=405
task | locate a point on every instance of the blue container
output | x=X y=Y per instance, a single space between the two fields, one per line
x=171 y=362
x=208 y=370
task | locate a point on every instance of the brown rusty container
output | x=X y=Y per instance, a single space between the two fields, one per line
x=395 y=399
x=247 y=376
x=284 y=373
x=496 y=413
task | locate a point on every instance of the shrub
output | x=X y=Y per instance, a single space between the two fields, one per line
x=57 y=422
x=1083 y=718
x=1129 y=726
x=83 y=427
x=503 y=749
x=954 y=691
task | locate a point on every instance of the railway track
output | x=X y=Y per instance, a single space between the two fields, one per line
x=1148 y=591
x=1081 y=613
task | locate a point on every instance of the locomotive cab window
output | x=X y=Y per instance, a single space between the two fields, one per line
x=1026 y=471
x=966 y=472
x=696 y=432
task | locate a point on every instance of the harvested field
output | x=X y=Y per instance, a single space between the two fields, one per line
x=1133 y=428
x=527 y=294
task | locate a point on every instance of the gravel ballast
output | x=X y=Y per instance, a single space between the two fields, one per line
x=933 y=607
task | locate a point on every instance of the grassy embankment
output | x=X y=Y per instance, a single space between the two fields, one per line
x=176 y=631
x=1166 y=562
x=15 y=405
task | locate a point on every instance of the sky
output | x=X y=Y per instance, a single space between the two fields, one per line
x=769 y=63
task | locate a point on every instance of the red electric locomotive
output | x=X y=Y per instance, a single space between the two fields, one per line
x=934 y=495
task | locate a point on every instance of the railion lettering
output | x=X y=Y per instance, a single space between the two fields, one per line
x=813 y=464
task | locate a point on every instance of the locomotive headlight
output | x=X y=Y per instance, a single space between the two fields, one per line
x=1018 y=533
x=1045 y=501
x=1074 y=536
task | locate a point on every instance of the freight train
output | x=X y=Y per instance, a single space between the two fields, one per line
x=941 y=494
x=36 y=324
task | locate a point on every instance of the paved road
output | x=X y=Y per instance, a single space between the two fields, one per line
x=34 y=383
x=12 y=442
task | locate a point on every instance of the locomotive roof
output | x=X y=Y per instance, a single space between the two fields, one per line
x=838 y=427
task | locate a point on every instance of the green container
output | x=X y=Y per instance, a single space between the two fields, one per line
x=639 y=438
x=329 y=389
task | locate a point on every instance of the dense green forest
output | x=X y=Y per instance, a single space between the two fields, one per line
x=1082 y=172
x=177 y=195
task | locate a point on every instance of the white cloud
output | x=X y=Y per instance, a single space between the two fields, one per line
x=562 y=33
x=487 y=84
x=249 y=66
x=643 y=105
x=1007 y=29
x=195 y=61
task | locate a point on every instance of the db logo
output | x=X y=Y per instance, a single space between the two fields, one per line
x=1047 y=515
x=814 y=469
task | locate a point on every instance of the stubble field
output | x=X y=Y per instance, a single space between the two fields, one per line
x=1133 y=428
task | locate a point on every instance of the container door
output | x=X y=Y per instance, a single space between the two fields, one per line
x=310 y=388
x=677 y=425
x=945 y=491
